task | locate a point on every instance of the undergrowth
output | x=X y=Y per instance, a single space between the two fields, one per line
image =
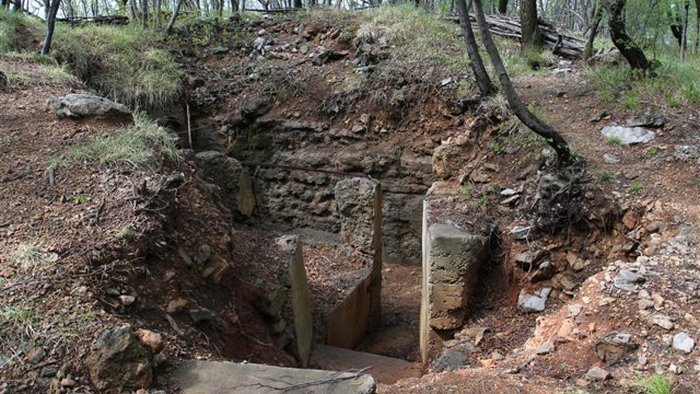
x=121 y=62
x=675 y=84
x=423 y=46
x=139 y=145
x=23 y=70
x=17 y=31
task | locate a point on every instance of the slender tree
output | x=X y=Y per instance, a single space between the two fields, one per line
x=593 y=29
x=483 y=81
x=51 y=24
x=503 y=6
x=553 y=138
x=173 y=17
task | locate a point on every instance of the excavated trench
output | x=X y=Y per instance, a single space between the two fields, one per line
x=368 y=225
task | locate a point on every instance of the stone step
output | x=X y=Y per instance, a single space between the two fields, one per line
x=218 y=377
x=384 y=369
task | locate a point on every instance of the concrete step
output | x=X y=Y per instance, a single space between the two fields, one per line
x=223 y=377
x=384 y=369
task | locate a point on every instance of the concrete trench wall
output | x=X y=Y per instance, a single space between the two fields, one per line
x=451 y=261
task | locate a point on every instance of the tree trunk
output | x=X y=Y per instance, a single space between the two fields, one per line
x=531 y=37
x=50 y=25
x=553 y=138
x=144 y=13
x=483 y=81
x=503 y=6
x=597 y=17
x=298 y=4
x=159 y=14
x=684 y=36
x=634 y=55
x=169 y=29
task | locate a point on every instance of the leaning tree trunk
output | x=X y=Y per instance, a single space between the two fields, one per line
x=531 y=37
x=553 y=138
x=483 y=81
x=50 y=25
x=169 y=29
x=624 y=43
x=597 y=17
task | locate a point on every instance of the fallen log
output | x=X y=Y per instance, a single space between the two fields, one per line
x=99 y=20
x=562 y=44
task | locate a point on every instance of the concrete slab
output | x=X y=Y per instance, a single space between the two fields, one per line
x=222 y=377
x=386 y=370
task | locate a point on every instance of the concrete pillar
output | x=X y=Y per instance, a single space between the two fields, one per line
x=301 y=300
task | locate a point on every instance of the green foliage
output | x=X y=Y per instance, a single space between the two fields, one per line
x=636 y=187
x=139 y=145
x=606 y=177
x=125 y=233
x=121 y=62
x=654 y=151
x=496 y=147
x=26 y=254
x=675 y=84
x=657 y=384
x=615 y=140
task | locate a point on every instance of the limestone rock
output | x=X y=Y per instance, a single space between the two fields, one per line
x=79 y=105
x=628 y=135
x=151 y=340
x=452 y=359
x=597 y=374
x=628 y=280
x=118 y=362
x=534 y=302
x=233 y=180
x=614 y=346
x=683 y=342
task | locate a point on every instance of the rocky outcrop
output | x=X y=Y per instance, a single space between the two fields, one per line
x=81 y=105
x=355 y=198
x=119 y=362
x=232 y=179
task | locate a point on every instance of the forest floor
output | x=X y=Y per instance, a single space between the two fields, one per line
x=81 y=249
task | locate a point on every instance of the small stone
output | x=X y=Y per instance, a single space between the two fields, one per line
x=597 y=374
x=48 y=372
x=496 y=355
x=675 y=369
x=628 y=280
x=66 y=382
x=127 y=299
x=628 y=135
x=529 y=259
x=610 y=159
x=534 y=303
x=199 y=315
x=545 y=348
x=663 y=322
x=545 y=271
x=203 y=254
x=35 y=355
x=567 y=283
x=113 y=292
x=575 y=310
x=683 y=342
x=176 y=305
x=160 y=358
x=149 y=339
x=614 y=346
x=645 y=304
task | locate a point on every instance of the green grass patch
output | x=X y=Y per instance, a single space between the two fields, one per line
x=138 y=145
x=122 y=62
x=422 y=45
x=636 y=187
x=657 y=384
x=606 y=177
x=615 y=140
x=23 y=70
x=675 y=84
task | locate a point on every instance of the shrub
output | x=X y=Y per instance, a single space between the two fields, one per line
x=121 y=62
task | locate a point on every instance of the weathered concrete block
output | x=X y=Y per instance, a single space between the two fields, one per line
x=301 y=304
x=196 y=377
x=350 y=322
x=233 y=180
x=454 y=259
x=359 y=202
x=356 y=200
